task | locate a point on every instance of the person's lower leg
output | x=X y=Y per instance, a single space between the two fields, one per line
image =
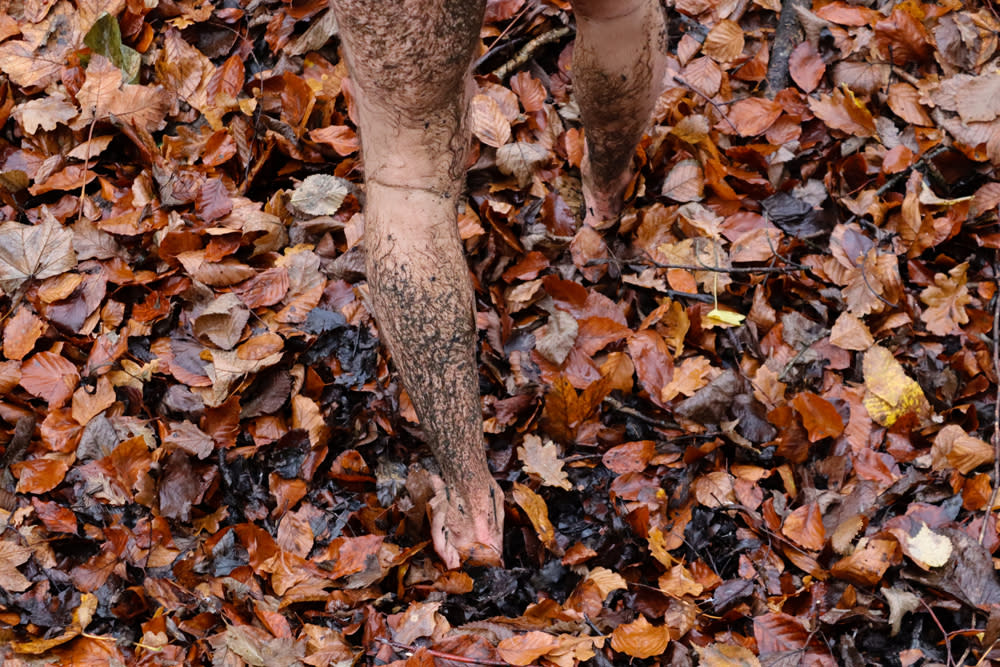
x=619 y=60
x=409 y=64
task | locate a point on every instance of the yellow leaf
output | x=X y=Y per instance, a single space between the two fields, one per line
x=724 y=318
x=538 y=513
x=889 y=392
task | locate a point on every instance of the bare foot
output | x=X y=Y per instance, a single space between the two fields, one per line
x=467 y=531
x=603 y=202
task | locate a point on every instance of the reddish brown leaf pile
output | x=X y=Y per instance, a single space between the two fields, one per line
x=751 y=424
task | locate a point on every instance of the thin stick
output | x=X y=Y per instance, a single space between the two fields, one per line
x=996 y=405
x=443 y=655
x=707 y=99
x=529 y=49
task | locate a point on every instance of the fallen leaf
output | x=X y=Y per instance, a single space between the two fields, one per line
x=640 y=638
x=543 y=460
x=34 y=251
x=889 y=392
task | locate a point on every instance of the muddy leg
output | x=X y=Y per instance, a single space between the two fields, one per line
x=618 y=65
x=410 y=67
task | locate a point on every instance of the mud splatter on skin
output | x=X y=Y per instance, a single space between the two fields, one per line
x=411 y=63
x=613 y=126
x=424 y=306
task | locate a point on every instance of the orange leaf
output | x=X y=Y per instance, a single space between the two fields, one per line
x=525 y=649
x=39 y=475
x=21 y=333
x=49 y=376
x=804 y=526
x=88 y=404
x=640 y=638
x=819 y=416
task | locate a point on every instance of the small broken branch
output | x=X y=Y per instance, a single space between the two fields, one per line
x=529 y=49
x=785 y=37
x=996 y=402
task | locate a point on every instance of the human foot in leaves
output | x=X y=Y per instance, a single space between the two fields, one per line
x=619 y=62
x=467 y=528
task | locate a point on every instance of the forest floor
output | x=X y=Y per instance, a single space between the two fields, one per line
x=752 y=423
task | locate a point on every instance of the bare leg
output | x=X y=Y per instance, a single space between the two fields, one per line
x=410 y=66
x=619 y=61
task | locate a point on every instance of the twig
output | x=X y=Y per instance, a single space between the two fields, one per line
x=707 y=99
x=947 y=639
x=894 y=180
x=864 y=276
x=785 y=37
x=996 y=403
x=529 y=49
x=443 y=655
x=730 y=269
x=621 y=407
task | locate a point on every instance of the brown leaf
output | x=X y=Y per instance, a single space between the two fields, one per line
x=902 y=38
x=629 y=456
x=954 y=448
x=103 y=96
x=724 y=42
x=488 y=122
x=49 y=376
x=653 y=362
x=40 y=475
x=12 y=555
x=804 y=526
x=640 y=639
x=529 y=90
x=843 y=111
x=726 y=655
x=850 y=333
x=806 y=67
x=947 y=299
x=904 y=100
x=341 y=138
x=21 y=334
x=685 y=182
x=521 y=159
x=34 y=251
x=752 y=116
x=527 y=648
x=87 y=404
x=188 y=437
x=819 y=416
x=543 y=460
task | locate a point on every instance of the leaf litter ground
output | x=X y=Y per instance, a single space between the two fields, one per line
x=749 y=424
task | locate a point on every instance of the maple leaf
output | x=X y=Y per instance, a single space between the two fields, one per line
x=34 y=251
x=947 y=299
x=543 y=460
